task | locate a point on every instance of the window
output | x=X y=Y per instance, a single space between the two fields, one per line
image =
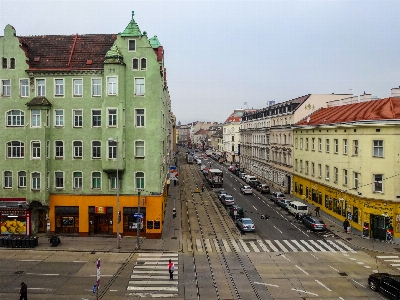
x=15 y=117
x=78 y=87
x=139 y=148
x=336 y=171
x=7 y=179
x=112 y=85
x=77 y=114
x=35 y=118
x=77 y=179
x=327 y=172
x=319 y=170
x=295 y=165
x=132 y=45
x=313 y=144
x=139 y=176
x=112 y=117
x=59 y=180
x=143 y=64
x=319 y=144
x=135 y=64
x=139 y=117
x=24 y=88
x=306 y=167
x=301 y=143
x=355 y=147
x=296 y=143
x=40 y=87
x=232 y=138
x=59 y=117
x=15 y=149
x=113 y=182
x=345 y=146
x=12 y=63
x=6 y=88
x=35 y=181
x=96 y=87
x=96 y=118
x=112 y=149
x=378 y=148
x=301 y=166
x=78 y=149
x=35 y=149
x=336 y=145
x=96 y=149
x=22 y=179
x=312 y=168
x=96 y=180
x=59 y=149
x=306 y=144
x=344 y=177
x=59 y=87
x=378 y=183
x=327 y=145
x=4 y=62
x=355 y=180
x=139 y=87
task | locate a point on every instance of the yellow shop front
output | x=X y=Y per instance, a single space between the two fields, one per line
x=82 y=215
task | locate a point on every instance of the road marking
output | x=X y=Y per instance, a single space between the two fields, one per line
x=265 y=248
x=336 y=246
x=293 y=289
x=334 y=269
x=327 y=246
x=281 y=246
x=386 y=256
x=277 y=229
x=42 y=274
x=253 y=245
x=345 y=246
x=323 y=285
x=393 y=260
x=300 y=246
x=318 y=246
x=301 y=270
x=358 y=283
x=30 y=260
x=290 y=246
x=255 y=207
x=226 y=245
x=262 y=283
x=308 y=246
x=246 y=249
x=272 y=246
x=208 y=245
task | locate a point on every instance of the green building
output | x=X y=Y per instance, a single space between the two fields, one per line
x=86 y=133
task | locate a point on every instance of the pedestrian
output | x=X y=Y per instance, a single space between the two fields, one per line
x=346 y=224
x=171 y=269
x=202 y=187
x=317 y=211
x=23 y=291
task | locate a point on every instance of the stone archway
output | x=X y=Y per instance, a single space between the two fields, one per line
x=39 y=217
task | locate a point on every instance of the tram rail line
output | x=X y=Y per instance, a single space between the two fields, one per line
x=210 y=218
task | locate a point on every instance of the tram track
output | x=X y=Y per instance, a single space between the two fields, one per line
x=206 y=218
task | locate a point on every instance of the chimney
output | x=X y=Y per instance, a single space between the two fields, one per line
x=395 y=92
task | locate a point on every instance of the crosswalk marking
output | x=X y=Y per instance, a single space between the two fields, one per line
x=259 y=245
x=265 y=249
x=150 y=277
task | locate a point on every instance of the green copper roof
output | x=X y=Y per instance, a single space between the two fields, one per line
x=154 y=42
x=114 y=56
x=132 y=29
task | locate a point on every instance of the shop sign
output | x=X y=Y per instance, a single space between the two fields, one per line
x=100 y=209
x=13 y=212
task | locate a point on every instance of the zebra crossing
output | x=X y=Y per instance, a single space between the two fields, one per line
x=150 y=276
x=260 y=245
x=393 y=260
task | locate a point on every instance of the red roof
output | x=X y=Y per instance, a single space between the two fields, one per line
x=383 y=109
x=55 y=52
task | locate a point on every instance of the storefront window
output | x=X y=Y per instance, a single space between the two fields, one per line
x=132 y=219
x=301 y=189
x=355 y=214
x=328 y=202
x=13 y=221
x=67 y=219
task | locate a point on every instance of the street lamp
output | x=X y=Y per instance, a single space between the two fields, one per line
x=117 y=186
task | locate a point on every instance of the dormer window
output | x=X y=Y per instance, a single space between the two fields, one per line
x=132 y=45
x=12 y=63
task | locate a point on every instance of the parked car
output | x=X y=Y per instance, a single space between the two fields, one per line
x=236 y=212
x=246 y=224
x=245 y=189
x=385 y=283
x=254 y=183
x=220 y=193
x=263 y=188
x=227 y=199
x=277 y=196
x=198 y=161
x=314 y=223
x=250 y=178
x=284 y=203
x=298 y=209
x=242 y=175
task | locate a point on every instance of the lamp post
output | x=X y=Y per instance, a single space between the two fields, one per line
x=138 y=223
x=117 y=186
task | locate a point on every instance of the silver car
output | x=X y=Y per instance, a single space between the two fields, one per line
x=227 y=200
x=314 y=223
x=246 y=224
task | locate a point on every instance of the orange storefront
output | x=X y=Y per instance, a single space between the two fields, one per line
x=97 y=215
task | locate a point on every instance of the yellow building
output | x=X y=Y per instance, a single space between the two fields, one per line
x=346 y=160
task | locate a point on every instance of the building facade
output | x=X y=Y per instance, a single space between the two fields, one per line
x=231 y=137
x=87 y=132
x=267 y=138
x=346 y=162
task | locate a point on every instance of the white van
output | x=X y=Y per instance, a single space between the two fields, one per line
x=250 y=178
x=297 y=208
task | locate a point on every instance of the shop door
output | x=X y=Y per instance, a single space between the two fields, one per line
x=378 y=230
x=102 y=224
x=42 y=222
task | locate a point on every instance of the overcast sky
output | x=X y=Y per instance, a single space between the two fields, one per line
x=221 y=54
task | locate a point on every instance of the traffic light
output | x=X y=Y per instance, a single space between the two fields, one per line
x=174 y=213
